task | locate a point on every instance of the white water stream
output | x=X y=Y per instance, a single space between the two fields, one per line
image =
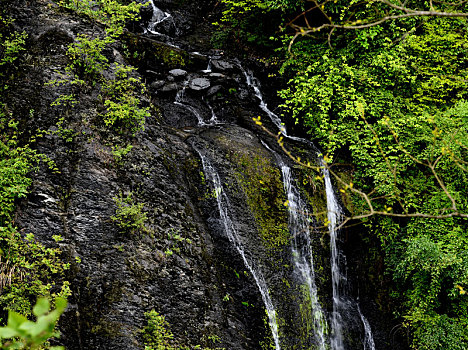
x=180 y=101
x=231 y=232
x=255 y=84
x=214 y=119
x=302 y=254
x=158 y=17
x=368 y=338
x=333 y=215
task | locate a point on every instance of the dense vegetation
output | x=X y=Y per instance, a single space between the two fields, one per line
x=384 y=88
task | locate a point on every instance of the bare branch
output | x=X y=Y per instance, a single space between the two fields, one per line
x=371 y=211
x=407 y=13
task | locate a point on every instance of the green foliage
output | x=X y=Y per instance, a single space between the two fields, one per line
x=119 y=153
x=392 y=100
x=11 y=42
x=158 y=336
x=248 y=22
x=28 y=269
x=87 y=62
x=112 y=13
x=11 y=46
x=27 y=334
x=156 y=333
x=123 y=111
x=129 y=215
x=86 y=58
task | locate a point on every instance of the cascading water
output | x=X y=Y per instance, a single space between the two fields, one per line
x=208 y=67
x=302 y=254
x=255 y=84
x=333 y=215
x=214 y=119
x=231 y=232
x=180 y=101
x=340 y=303
x=158 y=17
x=368 y=338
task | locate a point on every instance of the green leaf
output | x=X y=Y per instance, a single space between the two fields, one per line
x=42 y=307
x=7 y=332
x=60 y=304
x=15 y=320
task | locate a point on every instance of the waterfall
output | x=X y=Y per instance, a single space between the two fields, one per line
x=341 y=302
x=214 y=119
x=333 y=215
x=158 y=17
x=231 y=232
x=255 y=84
x=180 y=101
x=208 y=67
x=302 y=254
x=368 y=338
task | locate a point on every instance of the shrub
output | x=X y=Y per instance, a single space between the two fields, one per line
x=122 y=104
x=129 y=215
x=87 y=59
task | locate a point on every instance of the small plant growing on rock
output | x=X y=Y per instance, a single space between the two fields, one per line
x=156 y=333
x=119 y=153
x=129 y=215
x=123 y=111
x=87 y=59
x=11 y=45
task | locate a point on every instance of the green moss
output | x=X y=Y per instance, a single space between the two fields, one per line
x=139 y=50
x=313 y=188
x=157 y=335
x=263 y=187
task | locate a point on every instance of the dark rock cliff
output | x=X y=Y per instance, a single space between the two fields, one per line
x=181 y=267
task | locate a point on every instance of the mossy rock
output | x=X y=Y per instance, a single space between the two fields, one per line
x=261 y=182
x=148 y=53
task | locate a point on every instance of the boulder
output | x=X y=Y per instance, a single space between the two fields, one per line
x=198 y=84
x=155 y=85
x=178 y=73
x=169 y=87
x=221 y=65
x=213 y=90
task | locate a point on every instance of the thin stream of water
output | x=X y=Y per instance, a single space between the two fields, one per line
x=333 y=215
x=233 y=236
x=368 y=338
x=302 y=254
x=180 y=101
x=158 y=17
